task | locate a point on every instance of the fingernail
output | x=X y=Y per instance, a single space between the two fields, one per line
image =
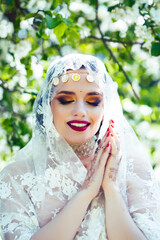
x=112 y=121
x=108 y=129
x=107 y=145
x=112 y=126
x=108 y=134
x=111 y=135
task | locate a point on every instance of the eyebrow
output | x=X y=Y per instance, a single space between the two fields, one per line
x=95 y=93
x=66 y=92
x=72 y=93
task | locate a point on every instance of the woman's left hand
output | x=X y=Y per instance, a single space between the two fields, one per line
x=112 y=166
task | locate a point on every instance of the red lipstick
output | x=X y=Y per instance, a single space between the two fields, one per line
x=77 y=125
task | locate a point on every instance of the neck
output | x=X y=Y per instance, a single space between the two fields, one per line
x=84 y=150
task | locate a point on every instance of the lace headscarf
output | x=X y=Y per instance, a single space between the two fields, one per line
x=47 y=172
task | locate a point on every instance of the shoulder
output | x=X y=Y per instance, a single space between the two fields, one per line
x=11 y=178
x=14 y=170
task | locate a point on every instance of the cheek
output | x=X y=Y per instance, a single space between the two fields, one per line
x=98 y=115
x=55 y=111
x=59 y=113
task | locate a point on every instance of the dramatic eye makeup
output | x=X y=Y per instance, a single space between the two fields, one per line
x=67 y=97
x=94 y=98
x=94 y=101
x=64 y=99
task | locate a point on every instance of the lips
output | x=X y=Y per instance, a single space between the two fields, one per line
x=78 y=125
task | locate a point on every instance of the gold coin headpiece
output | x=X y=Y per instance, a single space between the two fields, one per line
x=75 y=78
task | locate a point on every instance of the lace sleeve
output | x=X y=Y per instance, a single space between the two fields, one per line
x=18 y=217
x=143 y=196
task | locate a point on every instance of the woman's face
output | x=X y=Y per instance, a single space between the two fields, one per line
x=77 y=108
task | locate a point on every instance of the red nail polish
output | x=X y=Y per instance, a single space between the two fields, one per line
x=108 y=134
x=111 y=135
x=108 y=129
x=112 y=126
x=112 y=121
x=107 y=145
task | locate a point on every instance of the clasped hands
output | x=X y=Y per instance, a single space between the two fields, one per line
x=104 y=167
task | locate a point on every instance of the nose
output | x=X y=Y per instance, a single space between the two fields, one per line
x=79 y=110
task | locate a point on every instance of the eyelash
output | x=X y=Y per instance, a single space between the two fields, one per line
x=65 y=102
x=95 y=103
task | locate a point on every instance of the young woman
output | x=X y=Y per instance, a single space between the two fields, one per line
x=83 y=175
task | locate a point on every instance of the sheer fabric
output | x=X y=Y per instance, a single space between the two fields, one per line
x=47 y=173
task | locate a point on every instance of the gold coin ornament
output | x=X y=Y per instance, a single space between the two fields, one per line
x=90 y=78
x=64 y=78
x=75 y=77
x=55 y=81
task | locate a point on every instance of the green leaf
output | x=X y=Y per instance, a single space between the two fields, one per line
x=158 y=36
x=129 y=3
x=52 y=22
x=73 y=36
x=60 y=30
x=45 y=36
x=30 y=15
x=67 y=22
x=54 y=4
x=155 y=50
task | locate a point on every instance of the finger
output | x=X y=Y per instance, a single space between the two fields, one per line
x=115 y=133
x=115 y=156
x=113 y=145
x=102 y=156
x=117 y=141
x=100 y=141
x=105 y=156
x=97 y=156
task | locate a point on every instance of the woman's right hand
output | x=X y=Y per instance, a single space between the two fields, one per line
x=96 y=169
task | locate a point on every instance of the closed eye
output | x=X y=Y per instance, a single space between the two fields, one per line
x=65 y=100
x=94 y=102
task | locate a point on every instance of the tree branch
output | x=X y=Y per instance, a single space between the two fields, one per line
x=117 y=41
x=111 y=53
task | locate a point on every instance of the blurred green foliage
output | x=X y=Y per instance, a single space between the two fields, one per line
x=125 y=35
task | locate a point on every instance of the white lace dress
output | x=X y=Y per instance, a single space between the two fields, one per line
x=23 y=211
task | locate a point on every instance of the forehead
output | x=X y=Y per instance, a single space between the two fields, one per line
x=81 y=85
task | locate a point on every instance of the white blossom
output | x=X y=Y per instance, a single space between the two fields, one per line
x=34 y=5
x=21 y=49
x=155 y=14
x=141 y=31
x=6 y=28
x=1 y=93
x=149 y=40
x=84 y=7
x=37 y=68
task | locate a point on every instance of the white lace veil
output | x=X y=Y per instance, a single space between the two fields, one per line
x=47 y=145
x=48 y=150
x=45 y=140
